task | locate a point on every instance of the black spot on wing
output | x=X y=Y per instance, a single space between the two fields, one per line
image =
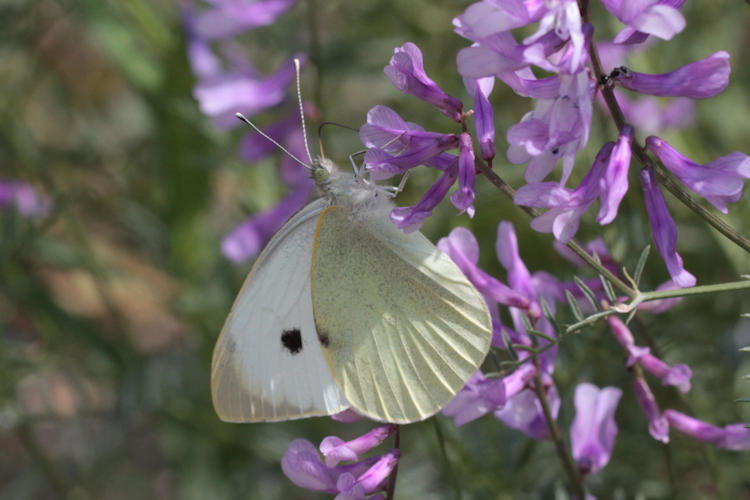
x=323 y=338
x=292 y=340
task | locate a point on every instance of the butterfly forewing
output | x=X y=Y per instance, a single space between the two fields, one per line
x=267 y=364
x=400 y=326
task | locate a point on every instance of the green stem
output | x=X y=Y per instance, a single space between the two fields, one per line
x=562 y=449
x=451 y=476
x=391 y=488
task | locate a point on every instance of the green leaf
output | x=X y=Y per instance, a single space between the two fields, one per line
x=590 y=296
x=574 y=307
x=641 y=264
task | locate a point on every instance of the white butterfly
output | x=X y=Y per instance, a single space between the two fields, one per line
x=343 y=310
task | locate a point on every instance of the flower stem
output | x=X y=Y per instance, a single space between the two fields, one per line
x=562 y=449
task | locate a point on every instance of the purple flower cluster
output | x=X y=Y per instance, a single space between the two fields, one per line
x=731 y=437
x=303 y=466
x=24 y=198
x=228 y=83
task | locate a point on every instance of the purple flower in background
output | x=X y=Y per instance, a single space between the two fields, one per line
x=229 y=17
x=594 y=430
x=734 y=437
x=661 y=19
x=524 y=411
x=302 y=465
x=23 y=198
x=406 y=72
x=698 y=80
x=664 y=230
x=658 y=425
x=335 y=449
x=720 y=181
x=677 y=375
x=649 y=116
x=251 y=235
x=241 y=90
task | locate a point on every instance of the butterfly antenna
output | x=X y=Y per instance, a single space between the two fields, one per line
x=301 y=109
x=273 y=141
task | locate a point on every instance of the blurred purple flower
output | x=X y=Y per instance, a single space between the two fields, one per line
x=336 y=450
x=664 y=230
x=650 y=117
x=251 y=235
x=222 y=95
x=677 y=375
x=594 y=430
x=734 y=437
x=660 y=18
x=302 y=465
x=523 y=412
x=658 y=425
x=229 y=17
x=720 y=181
x=24 y=198
x=406 y=72
x=699 y=80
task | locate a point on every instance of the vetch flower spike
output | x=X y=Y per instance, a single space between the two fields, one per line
x=661 y=19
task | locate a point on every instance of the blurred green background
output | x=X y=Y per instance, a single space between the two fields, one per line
x=109 y=307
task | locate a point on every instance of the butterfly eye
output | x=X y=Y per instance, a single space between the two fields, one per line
x=320 y=174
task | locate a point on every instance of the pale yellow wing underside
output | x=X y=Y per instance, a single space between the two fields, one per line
x=401 y=328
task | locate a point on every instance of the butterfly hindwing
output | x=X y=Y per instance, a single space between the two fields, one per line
x=400 y=326
x=267 y=364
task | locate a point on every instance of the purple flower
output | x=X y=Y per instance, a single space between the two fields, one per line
x=614 y=182
x=395 y=145
x=24 y=198
x=664 y=230
x=523 y=412
x=335 y=449
x=720 y=181
x=488 y=17
x=658 y=425
x=406 y=72
x=251 y=235
x=222 y=95
x=594 y=430
x=463 y=199
x=556 y=129
x=230 y=17
x=565 y=206
x=302 y=465
x=484 y=117
x=699 y=80
x=734 y=437
x=410 y=219
x=677 y=375
x=649 y=116
x=461 y=246
x=646 y=17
